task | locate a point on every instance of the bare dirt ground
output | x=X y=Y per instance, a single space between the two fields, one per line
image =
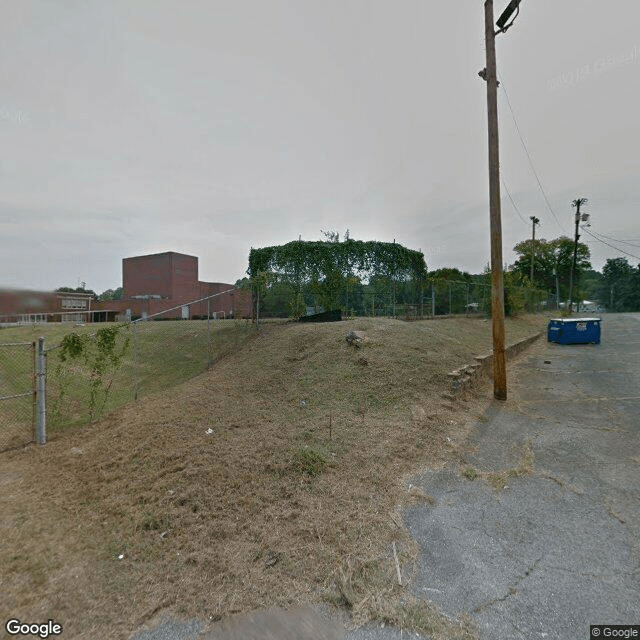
x=273 y=479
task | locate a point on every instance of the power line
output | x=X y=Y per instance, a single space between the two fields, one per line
x=609 y=245
x=602 y=235
x=524 y=146
x=504 y=184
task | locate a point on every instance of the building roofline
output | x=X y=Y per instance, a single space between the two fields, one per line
x=64 y=294
x=162 y=253
x=224 y=284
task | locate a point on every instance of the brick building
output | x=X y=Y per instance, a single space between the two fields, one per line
x=162 y=283
x=169 y=281
x=21 y=306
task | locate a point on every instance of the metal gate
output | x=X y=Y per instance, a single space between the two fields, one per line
x=17 y=394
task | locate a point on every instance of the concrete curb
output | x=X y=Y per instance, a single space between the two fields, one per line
x=470 y=375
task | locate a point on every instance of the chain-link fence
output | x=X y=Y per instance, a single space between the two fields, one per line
x=440 y=298
x=95 y=369
x=167 y=352
x=17 y=394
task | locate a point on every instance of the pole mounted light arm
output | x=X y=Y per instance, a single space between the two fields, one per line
x=506 y=14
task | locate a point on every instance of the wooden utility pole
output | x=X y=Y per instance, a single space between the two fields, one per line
x=534 y=221
x=497 y=284
x=577 y=203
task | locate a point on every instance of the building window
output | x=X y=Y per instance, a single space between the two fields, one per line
x=74 y=303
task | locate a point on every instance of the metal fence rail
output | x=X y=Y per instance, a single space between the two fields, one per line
x=87 y=371
x=440 y=298
x=147 y=355
x=17 y=394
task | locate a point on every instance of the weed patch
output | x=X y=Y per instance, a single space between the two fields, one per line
x=424 y=618
x=499 y=480
x=308 y=461
x=470 y=473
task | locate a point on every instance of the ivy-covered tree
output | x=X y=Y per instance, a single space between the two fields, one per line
x=330 y=271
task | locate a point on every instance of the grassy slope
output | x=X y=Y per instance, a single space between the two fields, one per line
x=211 y=523
x=159 y=355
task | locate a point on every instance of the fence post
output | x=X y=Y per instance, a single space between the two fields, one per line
x=209 y=333
x=433 y=301
x=41 y=414
x=136 y=360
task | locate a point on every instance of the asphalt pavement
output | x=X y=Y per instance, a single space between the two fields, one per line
x=557 y=548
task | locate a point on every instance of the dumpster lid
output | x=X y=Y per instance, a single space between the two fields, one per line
x=575 y=319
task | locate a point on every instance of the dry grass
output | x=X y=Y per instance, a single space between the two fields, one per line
x=273 y=479
x=499 y=479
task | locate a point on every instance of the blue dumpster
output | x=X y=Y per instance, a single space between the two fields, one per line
x=574 y=330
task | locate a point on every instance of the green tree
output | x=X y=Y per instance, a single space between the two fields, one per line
x=591 y=285
x=620 y=286
x=77 y=290
x=450 y=287
x=111 y=294
x=554 y=256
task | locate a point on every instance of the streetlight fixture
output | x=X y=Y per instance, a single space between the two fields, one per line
x=489 y=74
x=501 y=23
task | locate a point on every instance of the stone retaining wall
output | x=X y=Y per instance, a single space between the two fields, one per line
x=469 y=375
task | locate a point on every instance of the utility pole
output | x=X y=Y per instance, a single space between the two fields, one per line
x=534 y=221
x=577 y=203
x=433 y=301
x=497 y=283
x=611 y=303
x=555 y=273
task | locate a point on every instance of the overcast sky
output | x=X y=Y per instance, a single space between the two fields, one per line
x=208 y=127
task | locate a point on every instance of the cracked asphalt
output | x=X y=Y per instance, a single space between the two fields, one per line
x=558 y=547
